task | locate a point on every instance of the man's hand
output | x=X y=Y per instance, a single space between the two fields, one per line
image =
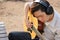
x=28 y=24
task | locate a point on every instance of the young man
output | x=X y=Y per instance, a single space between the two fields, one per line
x=45 y=13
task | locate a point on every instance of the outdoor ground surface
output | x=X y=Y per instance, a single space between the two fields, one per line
x=12 y=14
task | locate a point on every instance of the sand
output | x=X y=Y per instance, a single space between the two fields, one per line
x=12 y=14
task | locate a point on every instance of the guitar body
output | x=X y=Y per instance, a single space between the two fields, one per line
x=35 y=24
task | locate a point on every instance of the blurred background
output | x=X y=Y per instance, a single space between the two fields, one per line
x=12 y=13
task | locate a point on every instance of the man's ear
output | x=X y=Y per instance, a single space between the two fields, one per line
x=48 y=17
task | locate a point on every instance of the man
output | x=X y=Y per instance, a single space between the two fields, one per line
x=45 y=13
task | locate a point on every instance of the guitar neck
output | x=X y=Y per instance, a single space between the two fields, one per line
x=38 y=33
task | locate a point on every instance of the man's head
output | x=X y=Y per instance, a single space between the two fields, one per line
x=42 y=10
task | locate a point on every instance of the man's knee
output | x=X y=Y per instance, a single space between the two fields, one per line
x=19 y=36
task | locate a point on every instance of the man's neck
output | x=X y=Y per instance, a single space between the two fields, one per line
x=51 y=18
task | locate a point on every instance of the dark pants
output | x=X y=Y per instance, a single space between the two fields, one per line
x=20 y=36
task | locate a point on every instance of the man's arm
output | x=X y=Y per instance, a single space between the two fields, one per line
x=57 y=34
x=26 y=8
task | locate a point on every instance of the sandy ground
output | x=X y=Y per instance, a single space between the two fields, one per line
x=12 y=14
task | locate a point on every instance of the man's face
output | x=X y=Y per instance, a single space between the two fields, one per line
x=40 y=16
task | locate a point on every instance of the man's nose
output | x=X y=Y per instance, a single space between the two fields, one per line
x=40 y=19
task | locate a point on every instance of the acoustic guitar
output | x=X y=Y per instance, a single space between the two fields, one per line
x=33 y=31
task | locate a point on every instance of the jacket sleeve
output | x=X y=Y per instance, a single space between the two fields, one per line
x=57 y=34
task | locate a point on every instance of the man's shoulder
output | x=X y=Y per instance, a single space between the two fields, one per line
x=57 y=17
x=58 y=23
